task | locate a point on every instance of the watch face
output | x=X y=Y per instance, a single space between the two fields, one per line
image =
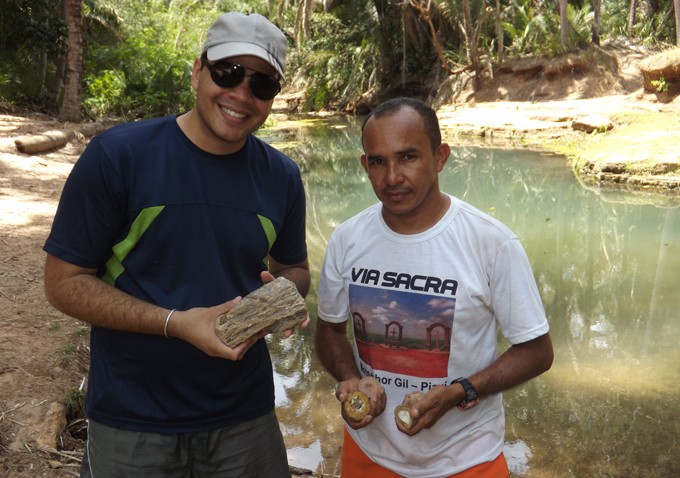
x=470 y=399
x=470 y=394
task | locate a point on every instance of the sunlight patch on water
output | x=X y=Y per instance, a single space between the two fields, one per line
x=517 y=454
x=282 y=383
x=576 y=325
x=603 y=333
x=305 y=457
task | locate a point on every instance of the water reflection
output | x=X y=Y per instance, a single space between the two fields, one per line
x=607 y=269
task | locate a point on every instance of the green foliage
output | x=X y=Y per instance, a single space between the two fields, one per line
x=657 y=29
x=31 y=34
x=532 y=31
x=580 y=25
x=82 y=331
x=337 y=61
x=660 y=85
x=147 y=70
x=68 y=350
x=138 y=54
x=615 y=17
x=536 y=29
x=104 y=91
x=74 y=401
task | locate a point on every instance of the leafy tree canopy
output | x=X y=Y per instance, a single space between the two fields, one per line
x=344 y=54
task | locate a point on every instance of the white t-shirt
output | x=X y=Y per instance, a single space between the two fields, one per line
x=425 y=310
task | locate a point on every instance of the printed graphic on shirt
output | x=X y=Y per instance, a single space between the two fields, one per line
x=405 y=333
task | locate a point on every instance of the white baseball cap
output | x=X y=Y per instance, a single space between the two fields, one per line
x=236 y=34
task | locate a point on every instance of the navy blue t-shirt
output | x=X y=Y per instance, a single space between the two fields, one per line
x=178 y=227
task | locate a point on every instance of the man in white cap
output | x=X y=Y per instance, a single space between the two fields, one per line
x=162 y=226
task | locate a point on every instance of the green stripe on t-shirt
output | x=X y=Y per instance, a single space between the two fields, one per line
x=270 y=232
x=114 y=266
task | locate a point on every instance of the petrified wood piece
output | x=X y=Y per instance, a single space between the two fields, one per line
x=275 y=307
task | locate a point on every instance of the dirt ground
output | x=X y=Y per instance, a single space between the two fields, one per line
x=44 y=354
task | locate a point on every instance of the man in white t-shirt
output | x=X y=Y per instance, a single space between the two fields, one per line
x=427 y=281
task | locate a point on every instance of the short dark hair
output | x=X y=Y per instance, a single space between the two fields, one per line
x=428 y=115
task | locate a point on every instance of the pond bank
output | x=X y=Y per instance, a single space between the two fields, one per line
x=639 y=153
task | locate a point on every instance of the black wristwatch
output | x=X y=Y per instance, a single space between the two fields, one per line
x=471 y=399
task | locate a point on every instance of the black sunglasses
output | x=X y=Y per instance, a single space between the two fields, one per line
x=228 y=75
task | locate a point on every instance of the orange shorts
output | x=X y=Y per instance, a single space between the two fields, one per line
x=356 y=464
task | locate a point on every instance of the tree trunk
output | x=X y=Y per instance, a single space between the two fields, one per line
x=564 y=24
x=499 y=31
x=60 y=70
x=472 y=54
x=632 y=11
x=42 y=72
x=597 y=19
x=425 y=14
x=389 y=30
x=467 y=30
x=329 y=5
x=73 y=89
x=654 y=6
x=303 y=19
x=676 y=5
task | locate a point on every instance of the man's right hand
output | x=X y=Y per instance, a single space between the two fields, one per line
x=373 y=390
x=197 y=327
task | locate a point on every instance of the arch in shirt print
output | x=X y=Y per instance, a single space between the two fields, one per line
x=402 y=332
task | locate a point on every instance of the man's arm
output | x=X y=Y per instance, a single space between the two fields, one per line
x=515 y=366
x=298 y=274
x=334 y=350
x=77 y=292
x=518 y=364
x=335 y=353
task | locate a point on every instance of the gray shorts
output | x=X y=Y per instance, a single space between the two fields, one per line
x=251 y=449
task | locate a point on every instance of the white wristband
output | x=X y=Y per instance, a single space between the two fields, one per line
x=167 y=321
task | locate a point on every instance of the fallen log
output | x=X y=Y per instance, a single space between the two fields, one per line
x=38 y=143
x=275 y=307
x=91 y=129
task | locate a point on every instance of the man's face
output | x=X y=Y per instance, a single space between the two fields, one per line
x=403 y=169
x=226 y=116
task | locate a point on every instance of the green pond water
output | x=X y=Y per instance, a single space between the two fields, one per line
x=608 y=269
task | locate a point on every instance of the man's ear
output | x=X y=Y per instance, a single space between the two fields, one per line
x=442 y=154
x=195 y=73
x=364 y=163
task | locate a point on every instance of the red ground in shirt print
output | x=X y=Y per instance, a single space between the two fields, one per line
x=414 y=362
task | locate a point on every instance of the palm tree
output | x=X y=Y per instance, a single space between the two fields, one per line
x=632 y=11
x=564 y=23
x=73 y=87
x=597 y=4
x=499 y=31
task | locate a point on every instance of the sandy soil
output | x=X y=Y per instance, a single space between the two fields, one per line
x=44 y=354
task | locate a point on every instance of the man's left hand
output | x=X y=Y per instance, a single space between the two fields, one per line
x=431 y=408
